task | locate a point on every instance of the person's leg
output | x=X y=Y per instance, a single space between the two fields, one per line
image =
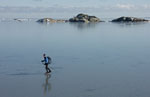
x=46 y=68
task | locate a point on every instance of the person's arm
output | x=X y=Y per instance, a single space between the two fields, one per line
x=43 y=60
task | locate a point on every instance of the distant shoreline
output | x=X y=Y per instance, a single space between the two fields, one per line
x=36 y=19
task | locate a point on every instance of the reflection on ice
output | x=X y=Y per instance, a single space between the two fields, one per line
x=84 y=25
x=47 y=86
x=124 y=24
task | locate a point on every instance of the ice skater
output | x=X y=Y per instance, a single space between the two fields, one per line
x=47 y=60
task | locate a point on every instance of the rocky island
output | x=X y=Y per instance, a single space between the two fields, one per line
x=89 y=19
x=50 y=20
x=129 y=19
x=84 y=18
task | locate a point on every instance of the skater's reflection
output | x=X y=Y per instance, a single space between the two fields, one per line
x=47 y=85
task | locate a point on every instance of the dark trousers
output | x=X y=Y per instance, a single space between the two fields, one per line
x=47 y=69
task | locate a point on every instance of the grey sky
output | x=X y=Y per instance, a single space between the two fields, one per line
x=46 y=3
x=69 y=6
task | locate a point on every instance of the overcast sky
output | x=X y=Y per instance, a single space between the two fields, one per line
x=47 y=3
x=58 y=6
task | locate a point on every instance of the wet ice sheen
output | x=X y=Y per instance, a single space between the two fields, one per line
x=89 y=60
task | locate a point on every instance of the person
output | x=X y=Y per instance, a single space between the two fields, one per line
x=46 y=62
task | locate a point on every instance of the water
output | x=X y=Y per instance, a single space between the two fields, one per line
x=89 y=60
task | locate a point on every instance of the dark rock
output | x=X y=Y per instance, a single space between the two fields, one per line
x=129 y=19
x=45 y=20
x=84 y=18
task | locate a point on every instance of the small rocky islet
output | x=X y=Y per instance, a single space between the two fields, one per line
x=84 y=18
x=129 y=19
x=91 y=19
x=45 y=20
